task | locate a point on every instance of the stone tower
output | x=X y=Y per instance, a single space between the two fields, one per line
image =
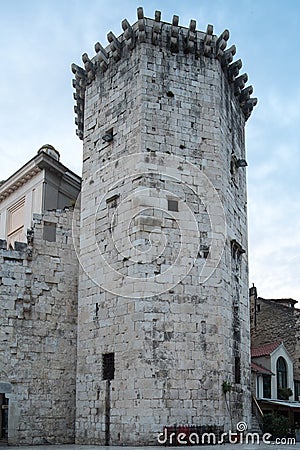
x=163 y=316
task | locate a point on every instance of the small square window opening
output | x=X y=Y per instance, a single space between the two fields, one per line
x=173 y=205
x=49 y=231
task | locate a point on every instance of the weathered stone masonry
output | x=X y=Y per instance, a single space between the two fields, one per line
x=159 y=99
x=38 y=295
x=276 y=320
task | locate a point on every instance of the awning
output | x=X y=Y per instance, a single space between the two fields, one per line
x=278 y=403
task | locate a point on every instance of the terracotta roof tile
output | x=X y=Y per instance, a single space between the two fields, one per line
x=264 y=350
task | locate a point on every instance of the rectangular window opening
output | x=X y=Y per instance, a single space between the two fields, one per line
x=112 y=202
x=49 y=231
x=108 y=366
x=203 y=252
x=15 y=225
x=237 y=370
x=173 y=205
x=267 y=386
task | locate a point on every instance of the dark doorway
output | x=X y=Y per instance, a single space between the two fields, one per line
x=108 y=374
x=3 y=417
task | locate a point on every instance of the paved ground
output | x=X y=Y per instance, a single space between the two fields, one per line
x=202 y=447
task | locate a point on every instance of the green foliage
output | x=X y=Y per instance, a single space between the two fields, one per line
x=226 y=387
x=285 y=393
x=276 y=425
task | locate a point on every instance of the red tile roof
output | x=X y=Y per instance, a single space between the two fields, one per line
x=264 y=350
x=260 y=369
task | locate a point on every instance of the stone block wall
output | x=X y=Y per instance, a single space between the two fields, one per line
x=164 y=286
x=274 y=321
x=38 y=295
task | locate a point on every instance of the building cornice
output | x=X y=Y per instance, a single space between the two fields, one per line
x=42 y=161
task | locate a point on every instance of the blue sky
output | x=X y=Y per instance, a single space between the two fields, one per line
x=39 y=39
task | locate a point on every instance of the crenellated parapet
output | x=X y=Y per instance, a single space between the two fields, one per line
x=171 y=37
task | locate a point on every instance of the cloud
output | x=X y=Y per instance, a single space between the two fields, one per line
x=40 y=40
x=273 y=195
x=274 y=241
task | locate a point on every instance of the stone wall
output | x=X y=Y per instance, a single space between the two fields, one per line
x=38 y=295
x=276 y=320
x=164 y=288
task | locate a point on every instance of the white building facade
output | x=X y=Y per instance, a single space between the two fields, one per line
x=42 y=184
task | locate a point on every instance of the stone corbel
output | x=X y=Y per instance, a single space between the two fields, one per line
x=174 y=44
x=89 y=67
x=245 y=95
x=80 y=81
x=128 y=34
x=156 y=28
x=30 y=237
x=102 y=56
x=115 y=46
x=27 y=305
x=222 y=43
x=191 y=37
x=79 y=133
x=78 y=109
x=228 y=55
x=79 y=84
x=81 y=94
x=239 y=83
x=78 y=71
x=207 y=48
x=141 y=25
x=233 y=70
x=248 y=107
